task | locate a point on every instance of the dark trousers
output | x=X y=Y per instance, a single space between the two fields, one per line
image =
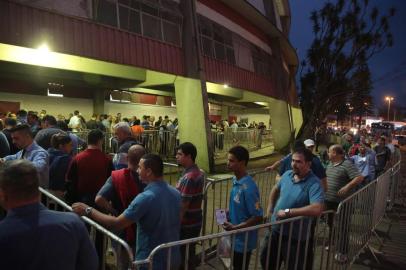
x=287 y=256
x=186 y=233
x=238 y=260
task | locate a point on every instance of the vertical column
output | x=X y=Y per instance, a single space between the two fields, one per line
x=192 y=118
x=225 y=112
x=280 y=123
x=191 y=93
x=98 y=101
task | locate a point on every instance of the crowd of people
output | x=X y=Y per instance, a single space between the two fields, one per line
x=127 y=193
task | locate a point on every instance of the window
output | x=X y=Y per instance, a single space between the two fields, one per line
x=261 y=61
x=157 y=19
x=216 y=40
x=106 y=12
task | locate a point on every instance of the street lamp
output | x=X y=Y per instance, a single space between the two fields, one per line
x=389 y=99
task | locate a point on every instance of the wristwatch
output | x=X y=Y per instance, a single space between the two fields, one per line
x=88 y=210
x=287 y=212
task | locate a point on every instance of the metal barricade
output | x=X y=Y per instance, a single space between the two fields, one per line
x=55 y=203
x=217 y=196
x=395 y=188
x=172 y=173
x=291 y=242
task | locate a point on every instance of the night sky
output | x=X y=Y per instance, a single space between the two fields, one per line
x=388 y=68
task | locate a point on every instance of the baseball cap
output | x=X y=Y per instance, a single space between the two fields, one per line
x=309 y=142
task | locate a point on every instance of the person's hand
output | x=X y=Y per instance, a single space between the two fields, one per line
x=228 y=226
x=343 y=191
x=281 y=214
x=79 y=208
x=2 y=160
x=270 y=168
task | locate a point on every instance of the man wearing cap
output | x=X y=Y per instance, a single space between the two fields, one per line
x=30 y=150
x=316 y=166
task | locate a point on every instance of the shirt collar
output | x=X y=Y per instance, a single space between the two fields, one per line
x=239 y=182
x=31 y=147
x=292 y=177
x=26 y=209
x=193 y=167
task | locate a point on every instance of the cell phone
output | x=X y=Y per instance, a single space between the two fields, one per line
x=221 y=216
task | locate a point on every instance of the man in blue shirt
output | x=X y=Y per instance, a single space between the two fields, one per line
x=156 y=212
x=298 y=193
x=316 y=166
x=245 y=209
x=33 y=237
x=30 y=150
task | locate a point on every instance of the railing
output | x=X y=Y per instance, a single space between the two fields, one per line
x=249 y=138
x=295 y=243
x=337 y=244
x=96 y=231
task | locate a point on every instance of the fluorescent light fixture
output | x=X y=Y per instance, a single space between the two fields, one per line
x=44 y=48
x=119 y=100
x=54 y=95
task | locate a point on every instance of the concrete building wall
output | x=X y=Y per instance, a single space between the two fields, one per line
x=65 y=106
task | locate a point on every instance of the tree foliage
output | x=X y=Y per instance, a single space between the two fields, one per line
x=335 y=72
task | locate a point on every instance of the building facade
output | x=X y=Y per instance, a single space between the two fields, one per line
x=197 y=60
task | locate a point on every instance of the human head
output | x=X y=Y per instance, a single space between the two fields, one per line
x=362 y=149
x=237 y=159
x=309 y=144
x=122 y=131
x=301 y=161
x=62 y=125
x=76 y=112
x=135 y=152
x=18 y=184
x=49 y=121
x=150 y=168
x=32 y=118
x=62 y=142
x=298 y=144
x=336 y=153
x=95 y=137
x=22 y=136
x=10 y=123
x=186 y=154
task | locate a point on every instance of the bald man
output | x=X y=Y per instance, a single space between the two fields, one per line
x=122 y=187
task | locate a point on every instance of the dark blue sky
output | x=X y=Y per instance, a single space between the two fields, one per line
x=388 y=68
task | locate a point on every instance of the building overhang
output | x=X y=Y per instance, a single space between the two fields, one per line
x=247 y=10
x=41 y=63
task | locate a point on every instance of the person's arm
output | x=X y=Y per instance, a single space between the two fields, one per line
x=273 y=166
x=184 y=207
x=313 y=210
x=353 y=183
x=40 y=160
x=324 y=184
x=273 y=197
x=252 y=221
x=115 y=223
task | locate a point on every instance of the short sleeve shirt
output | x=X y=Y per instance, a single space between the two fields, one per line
x=244 y=204
x=338 y=175
x=295 y=195
x=156 y=212
x=190 y=186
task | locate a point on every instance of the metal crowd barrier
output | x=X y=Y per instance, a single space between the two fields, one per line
x=271 y=248
x=249 y=138
x=357 y=218
x=217 y=195
x=172 y=173
x=53 y=202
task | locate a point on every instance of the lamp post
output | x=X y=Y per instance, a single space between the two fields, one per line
x=389 y=99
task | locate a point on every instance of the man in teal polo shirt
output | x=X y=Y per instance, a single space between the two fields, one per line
x=245 y=209
x=298 y=193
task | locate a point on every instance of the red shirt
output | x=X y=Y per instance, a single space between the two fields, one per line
x=89 y=171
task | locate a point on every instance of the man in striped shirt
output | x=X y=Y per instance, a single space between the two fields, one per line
x=190 y=186
x=342 y=178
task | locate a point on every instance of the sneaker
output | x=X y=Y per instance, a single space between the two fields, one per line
x=341 y=258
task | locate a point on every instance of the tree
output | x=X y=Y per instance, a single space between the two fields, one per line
x=335 y=71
